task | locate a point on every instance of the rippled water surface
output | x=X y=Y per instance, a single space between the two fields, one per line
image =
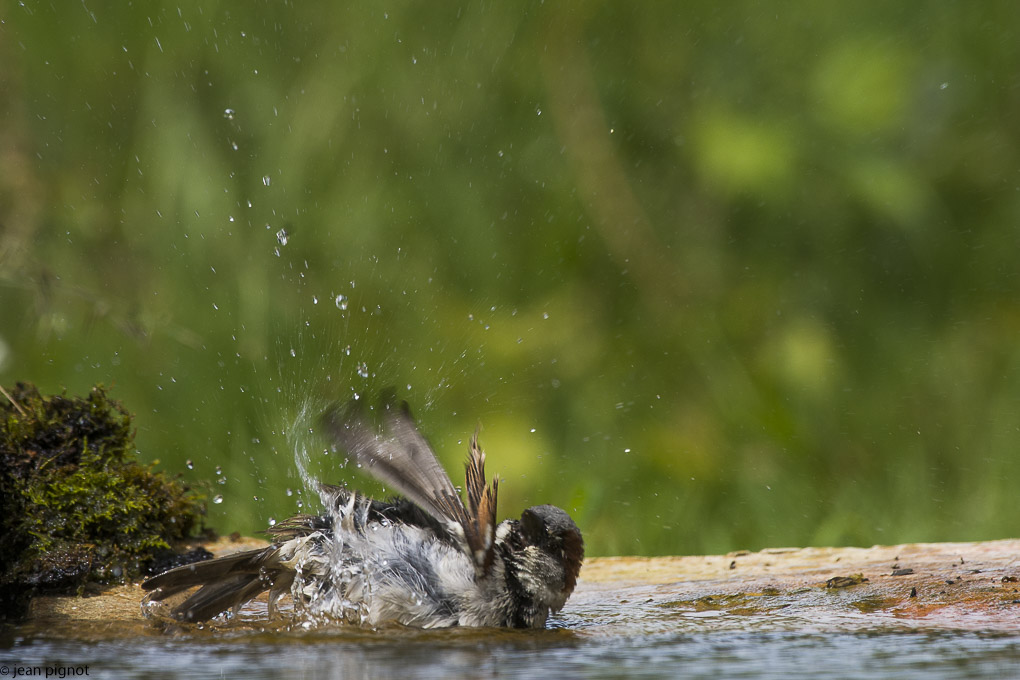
x=629 y=633
x=877 y=654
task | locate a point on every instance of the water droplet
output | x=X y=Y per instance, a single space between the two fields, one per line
x=228 y=114
x=363 y=369
x=293 y=352
x=943 y=86
x=282 y=237
x=217 y=499
x=272 y=522
x=341 y=302
x=545 y=315
x=315 y=299
x=190 y=465
x=290 y=492
x=266 y=179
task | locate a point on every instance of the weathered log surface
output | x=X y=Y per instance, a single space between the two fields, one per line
x=937 y=586
x=948 y=586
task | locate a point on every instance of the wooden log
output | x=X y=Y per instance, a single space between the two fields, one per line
x=937 y=586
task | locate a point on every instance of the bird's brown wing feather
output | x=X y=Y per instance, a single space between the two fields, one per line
x=482 y=503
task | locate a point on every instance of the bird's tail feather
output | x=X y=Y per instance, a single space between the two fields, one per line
x=227 y=583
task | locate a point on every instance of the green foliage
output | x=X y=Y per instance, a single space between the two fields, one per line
x=77 y=506
x=710 y=275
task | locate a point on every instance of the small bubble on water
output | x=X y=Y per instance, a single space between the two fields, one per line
x=363 y=369
x=189 y=464
x=228 y=114
x=282 y=237
x=315 y=299
x=341 y=302
x=293 y=352
x=266 y=180
x=217 y=499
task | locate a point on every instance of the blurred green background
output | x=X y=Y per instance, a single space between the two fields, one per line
x=709 y=276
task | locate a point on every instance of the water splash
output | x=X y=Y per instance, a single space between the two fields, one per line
x=299 y=438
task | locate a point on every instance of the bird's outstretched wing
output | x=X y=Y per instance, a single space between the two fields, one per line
x=399 y=456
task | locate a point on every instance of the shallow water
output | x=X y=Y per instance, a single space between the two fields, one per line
x=877 y=654
x=606 y=631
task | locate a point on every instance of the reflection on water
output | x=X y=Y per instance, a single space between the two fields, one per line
x=637 y=631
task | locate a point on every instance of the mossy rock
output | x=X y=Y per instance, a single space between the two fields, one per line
x=76 y=508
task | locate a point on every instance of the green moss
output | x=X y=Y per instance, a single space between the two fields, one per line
x=77 y=508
